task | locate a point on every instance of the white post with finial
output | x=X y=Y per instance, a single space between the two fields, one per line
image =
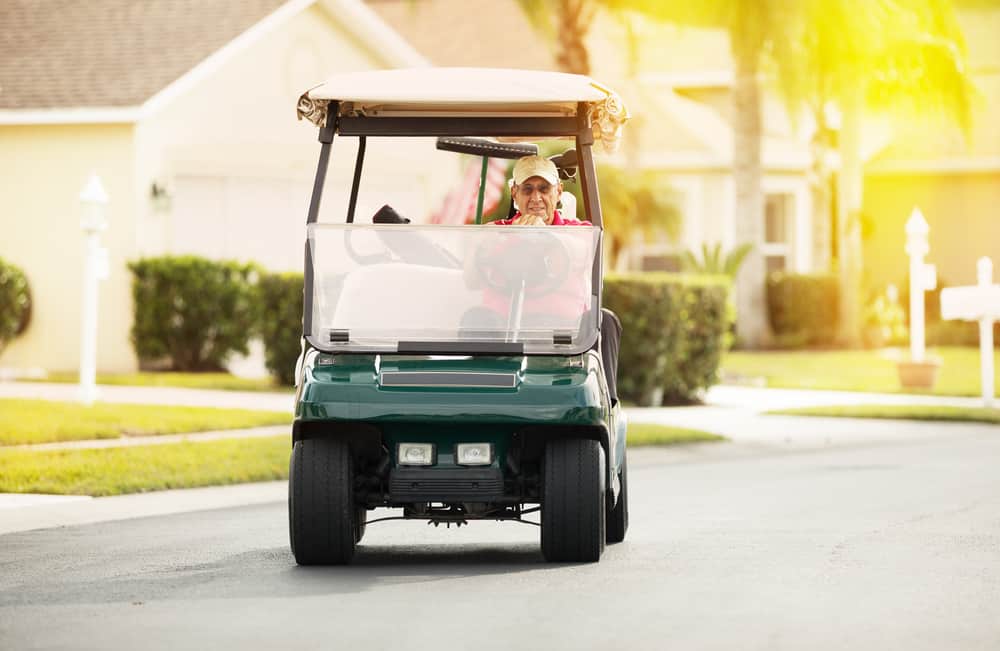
x=917 y=247
x=93 y=220
x=984 y=273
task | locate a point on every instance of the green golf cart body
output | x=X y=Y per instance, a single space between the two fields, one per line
x=407 y=397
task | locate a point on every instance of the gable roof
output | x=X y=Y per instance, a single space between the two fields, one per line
x=110 y=53
x=103 y=61
x=477 y=33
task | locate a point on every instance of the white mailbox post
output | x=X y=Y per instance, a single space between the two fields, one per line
x=93 y=220
x=981 y=303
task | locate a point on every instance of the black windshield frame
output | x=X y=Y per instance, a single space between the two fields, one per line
x=578 y=127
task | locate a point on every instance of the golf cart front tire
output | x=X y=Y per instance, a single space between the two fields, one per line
x=322 y=517
x=573 y=505
x=617 y=522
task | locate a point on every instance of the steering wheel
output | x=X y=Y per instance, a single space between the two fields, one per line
x=543 y=262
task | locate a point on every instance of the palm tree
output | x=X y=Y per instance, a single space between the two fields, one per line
x=900 y=57
x=566 y=22
x=895 y=55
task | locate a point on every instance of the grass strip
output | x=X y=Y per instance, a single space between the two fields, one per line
x=641 y=434
x=223 y=381
x=856 y=370
x=137 y=469
x=910 y=412
x=43 y=421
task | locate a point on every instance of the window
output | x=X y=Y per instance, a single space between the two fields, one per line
x=778 y=224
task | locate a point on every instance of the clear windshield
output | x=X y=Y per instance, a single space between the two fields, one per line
x=394 y=287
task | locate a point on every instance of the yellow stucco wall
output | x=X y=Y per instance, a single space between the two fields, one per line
x=963 y=212
x=42 y=172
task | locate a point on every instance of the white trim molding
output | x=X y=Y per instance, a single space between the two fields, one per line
x=97 y=115
x=966 y=165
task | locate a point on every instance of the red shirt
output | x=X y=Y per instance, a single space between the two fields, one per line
x=563 y=302
x=557 y=220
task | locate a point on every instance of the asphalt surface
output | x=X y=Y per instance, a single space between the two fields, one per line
x=885 y=541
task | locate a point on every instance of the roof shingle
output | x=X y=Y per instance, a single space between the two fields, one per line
x=110 y=53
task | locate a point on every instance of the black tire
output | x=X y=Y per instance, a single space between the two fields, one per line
x=618 y=516
x=573 y=505
x=360 y=518
x=321 y=510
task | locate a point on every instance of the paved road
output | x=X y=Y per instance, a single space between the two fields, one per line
x=887 y=543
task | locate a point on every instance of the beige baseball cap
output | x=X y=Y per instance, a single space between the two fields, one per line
x=529 y=166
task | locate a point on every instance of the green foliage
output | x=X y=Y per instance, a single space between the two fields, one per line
x=673 y=334
x=43 y=421
x=280 y=323
x=885 y=321
x=713 y=262
x=15 y=302
x=856 y=370
x=633 y=204
x=909 y=412
x=222 y=381
x=642 y=434
x=141 y=468
x=803 y=309
x=192 y=311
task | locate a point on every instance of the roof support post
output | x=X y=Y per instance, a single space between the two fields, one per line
x=326 y=138
x=358 y=165
x=591 y=198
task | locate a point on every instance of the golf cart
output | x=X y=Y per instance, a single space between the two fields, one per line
x=457 y=372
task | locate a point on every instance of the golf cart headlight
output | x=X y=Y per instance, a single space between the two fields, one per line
x=474 y=454
x=415 y=454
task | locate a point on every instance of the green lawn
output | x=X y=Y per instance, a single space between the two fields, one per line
x=914 y=412
x=171 y=379
x=136 y=469
x=854 y=370
x=640 y=434
x=41 y=421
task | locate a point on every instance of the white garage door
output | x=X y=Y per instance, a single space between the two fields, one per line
x=240 y=218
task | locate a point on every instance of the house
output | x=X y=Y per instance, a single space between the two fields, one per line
x=677 y=83
x=954 y=180
x=185 y=110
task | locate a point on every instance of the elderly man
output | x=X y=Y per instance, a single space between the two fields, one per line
x=536 y=192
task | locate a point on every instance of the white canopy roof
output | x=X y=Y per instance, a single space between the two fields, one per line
x=460 y=89
x=467 y=91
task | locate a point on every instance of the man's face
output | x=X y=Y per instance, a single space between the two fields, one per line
x=537 y=197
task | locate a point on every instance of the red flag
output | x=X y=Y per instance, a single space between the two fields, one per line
x=459 y=205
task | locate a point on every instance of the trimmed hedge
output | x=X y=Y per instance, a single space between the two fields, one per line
x=803 y=309
x=192 y=311
x=15 y=302
x=674 y=332
x=280 y=323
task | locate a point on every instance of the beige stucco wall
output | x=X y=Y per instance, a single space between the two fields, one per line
x=234 y=134
x=963 y=212
x=43 y=169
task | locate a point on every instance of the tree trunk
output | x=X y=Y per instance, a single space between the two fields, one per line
x=751 y=309
x=850 y=188
x=575 y=17
x=821 y=188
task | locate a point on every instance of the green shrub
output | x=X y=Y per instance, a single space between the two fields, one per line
x=15 y=302
x=673 y=335
x=280 y=323
x=803 y=309
x=192 y=311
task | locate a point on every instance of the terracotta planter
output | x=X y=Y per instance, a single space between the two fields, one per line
x=918 y=375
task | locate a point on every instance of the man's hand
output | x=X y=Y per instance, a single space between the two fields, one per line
x=530 y=220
